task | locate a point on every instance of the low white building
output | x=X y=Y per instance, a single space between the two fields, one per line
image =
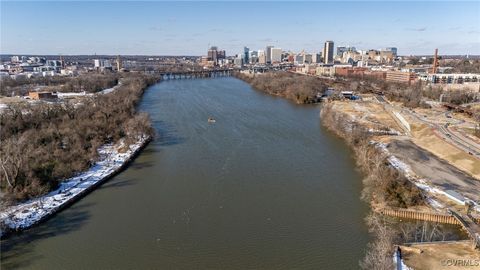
x=452 y=78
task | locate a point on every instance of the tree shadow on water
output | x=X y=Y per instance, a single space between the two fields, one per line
x=167 y=135
x=118 y=184
x=18 y=250
x=141 y=164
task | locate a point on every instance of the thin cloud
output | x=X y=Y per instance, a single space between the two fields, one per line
x=155 y=28
x=266 y=40
x=421 y=29
x=216 y=30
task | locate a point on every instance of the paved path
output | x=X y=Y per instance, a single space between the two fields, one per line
x=469 y=225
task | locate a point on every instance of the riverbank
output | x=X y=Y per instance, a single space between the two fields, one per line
x=396 y=167
x=385 y=183
x=43 y=144
x=75 y=148
x=113 y=159
x=298 y=88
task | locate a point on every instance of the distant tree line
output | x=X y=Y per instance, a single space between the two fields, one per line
x=89 y=82
x=43 y=143
x=299 y=88
x=413 y=95
x=465 y=66
x=304 y=89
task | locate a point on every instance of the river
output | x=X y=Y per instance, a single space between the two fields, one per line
x=265 y=187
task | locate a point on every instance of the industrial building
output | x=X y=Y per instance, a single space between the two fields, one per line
x=401 y=77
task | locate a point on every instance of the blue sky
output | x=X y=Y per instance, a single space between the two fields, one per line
x=188 y=28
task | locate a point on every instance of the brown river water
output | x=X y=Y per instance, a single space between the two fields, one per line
x=264 y=187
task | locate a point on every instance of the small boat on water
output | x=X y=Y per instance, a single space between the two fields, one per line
x=211 y=120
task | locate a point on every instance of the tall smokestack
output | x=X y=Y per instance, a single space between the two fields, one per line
x=119 y=63
x=435 y=62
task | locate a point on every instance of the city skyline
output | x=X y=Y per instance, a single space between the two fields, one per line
x=181 y=28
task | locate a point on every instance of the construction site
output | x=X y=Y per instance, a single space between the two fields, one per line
x=437 y=150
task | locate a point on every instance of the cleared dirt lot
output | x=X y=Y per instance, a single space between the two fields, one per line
x=369 y=113
x=435 y=170
x=426 y=138
x=441 y=256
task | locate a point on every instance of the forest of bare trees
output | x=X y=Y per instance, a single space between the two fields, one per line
x=413 y=95
x=465 y=66
x=89 y=82
x=43 y=143
x=299 y=88
x=379 y=254
x=388 y=232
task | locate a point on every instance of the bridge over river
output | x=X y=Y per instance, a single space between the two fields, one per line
x=196 y=74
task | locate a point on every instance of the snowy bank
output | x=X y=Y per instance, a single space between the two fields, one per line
x=24 y=215
x=398 y=261
x=422 y=184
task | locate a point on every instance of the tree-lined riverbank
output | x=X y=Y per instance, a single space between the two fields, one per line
x=112 y=159
x=44 y=142
x=298 y=88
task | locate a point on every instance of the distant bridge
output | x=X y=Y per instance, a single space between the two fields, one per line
x=178 y=75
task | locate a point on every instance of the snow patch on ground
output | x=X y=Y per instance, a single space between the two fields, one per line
x=384 y=132
x=402 y=120
x=26 y=214
x=422 y=183
x=399 y=264
x=109 y=90
x=73 y=94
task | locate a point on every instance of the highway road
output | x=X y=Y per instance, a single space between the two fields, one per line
x=450 y=136
x=454 y=138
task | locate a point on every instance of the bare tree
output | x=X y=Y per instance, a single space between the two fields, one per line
x=379 y=252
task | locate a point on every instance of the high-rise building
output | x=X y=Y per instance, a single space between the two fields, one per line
x=268 y=54
x=392 y=49
x=253 y=57
x=299 y=59
x=341 y=50
x=212 y=54
x=308 y=58
x=276 y=55
x=328 y=52
x=262 y=58
x=316 y=58
x=238 y=61
x=215 y=55
x=246 y=55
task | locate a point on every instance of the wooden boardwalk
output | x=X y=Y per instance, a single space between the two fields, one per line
x=469 y=223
